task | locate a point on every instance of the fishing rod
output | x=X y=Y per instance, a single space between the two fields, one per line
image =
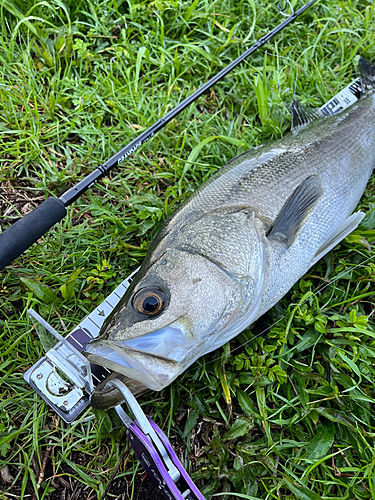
x=27 y=230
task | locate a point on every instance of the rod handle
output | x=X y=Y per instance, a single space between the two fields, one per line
x=26 y=231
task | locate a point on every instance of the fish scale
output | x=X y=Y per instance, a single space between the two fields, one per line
x=213 y=235
x=241 y=241
x=275 y=167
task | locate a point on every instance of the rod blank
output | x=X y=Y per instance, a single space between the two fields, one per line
x=26 y=231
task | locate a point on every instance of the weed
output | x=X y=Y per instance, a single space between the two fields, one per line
x=290 y=415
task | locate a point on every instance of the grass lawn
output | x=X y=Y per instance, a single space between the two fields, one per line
x=285 y=410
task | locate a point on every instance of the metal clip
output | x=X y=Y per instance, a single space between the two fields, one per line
x=64 y=354
x=154 y=451
x=63 y=377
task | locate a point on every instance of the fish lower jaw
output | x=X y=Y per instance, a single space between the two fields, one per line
x=152 y=370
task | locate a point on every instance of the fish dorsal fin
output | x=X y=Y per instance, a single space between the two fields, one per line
x=301 y=115
x=296 y=209
x=343 y=231
x=366 y=73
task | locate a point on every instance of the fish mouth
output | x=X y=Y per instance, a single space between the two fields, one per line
x=154 y=359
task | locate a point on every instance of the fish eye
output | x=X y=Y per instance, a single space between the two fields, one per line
x=149 y=301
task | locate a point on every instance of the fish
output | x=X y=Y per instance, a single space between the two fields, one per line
x=238 y=244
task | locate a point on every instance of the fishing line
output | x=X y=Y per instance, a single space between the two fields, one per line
x=283 y=9
x=114 y=92
x=85 y=105
x=26 y=231
x=315 y=292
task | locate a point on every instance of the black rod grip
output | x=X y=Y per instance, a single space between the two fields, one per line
x=26 y=231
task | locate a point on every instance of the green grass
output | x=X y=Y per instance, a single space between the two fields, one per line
x=290 y=413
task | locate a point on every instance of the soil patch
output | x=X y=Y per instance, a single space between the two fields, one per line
x=17 y=201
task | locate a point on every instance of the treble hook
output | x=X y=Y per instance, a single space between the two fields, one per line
x=282 y=10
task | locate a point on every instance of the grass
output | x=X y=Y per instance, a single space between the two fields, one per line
x=286 y=409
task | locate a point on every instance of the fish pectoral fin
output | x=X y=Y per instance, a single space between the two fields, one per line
x=343 y=231
x=296 y=209
x=301 y=115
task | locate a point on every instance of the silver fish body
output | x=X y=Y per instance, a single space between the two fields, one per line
x=238 y=244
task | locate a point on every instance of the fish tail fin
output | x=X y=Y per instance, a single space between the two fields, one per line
x=366 y=73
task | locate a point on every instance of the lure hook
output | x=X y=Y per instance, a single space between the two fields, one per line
x=282 y=10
